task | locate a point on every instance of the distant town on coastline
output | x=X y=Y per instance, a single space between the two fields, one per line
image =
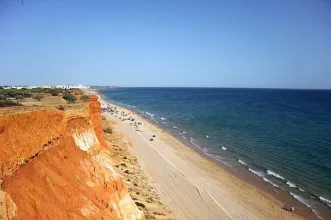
x=65 y=86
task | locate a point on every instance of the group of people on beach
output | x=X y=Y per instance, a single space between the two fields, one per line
x=113 y=110
x=107 y=108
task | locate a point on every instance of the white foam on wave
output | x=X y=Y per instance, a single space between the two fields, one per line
x=275 y=174
x=163 y=118
x=301 y=189
x=207 y=136
x=153 y=119
x=193 y=142
x=269 y=181
x=150 y=114
x=224 y=148
x=242 y=162
x=291 y=184
x=258 y=173
x=326 y=201
x=183 y=137
x=205 y=150
x=184 y=132
x=175 y=127
x=300 y=199
x=305 y=202
x=163 y=122
x=220 y=159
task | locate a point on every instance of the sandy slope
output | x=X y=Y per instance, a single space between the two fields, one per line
x=192 y=186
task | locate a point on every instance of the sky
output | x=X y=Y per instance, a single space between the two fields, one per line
x=224 y=43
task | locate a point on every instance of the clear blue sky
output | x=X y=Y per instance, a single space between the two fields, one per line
x=248 y=43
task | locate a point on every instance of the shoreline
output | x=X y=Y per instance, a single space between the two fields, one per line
x=275 y=195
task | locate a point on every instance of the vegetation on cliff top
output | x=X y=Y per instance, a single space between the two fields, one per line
x=26 y=93
x=70 y=98
x=84 y=98
x=6 y=103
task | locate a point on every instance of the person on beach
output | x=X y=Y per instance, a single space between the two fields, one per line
x=103 y=107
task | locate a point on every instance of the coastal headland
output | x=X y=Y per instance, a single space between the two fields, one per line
x=56 y=164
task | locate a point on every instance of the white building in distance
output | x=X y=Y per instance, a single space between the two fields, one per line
x=72 y=87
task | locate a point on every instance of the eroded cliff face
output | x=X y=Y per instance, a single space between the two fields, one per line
x=56 y=165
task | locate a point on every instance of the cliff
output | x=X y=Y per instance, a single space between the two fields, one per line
x=56 y=165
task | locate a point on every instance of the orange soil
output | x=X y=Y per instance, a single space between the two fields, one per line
x=46 y=175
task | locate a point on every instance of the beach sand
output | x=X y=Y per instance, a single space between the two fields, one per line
x=191 y=185
x=139 y=184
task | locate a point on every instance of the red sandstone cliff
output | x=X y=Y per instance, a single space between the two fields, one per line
x=56 y=165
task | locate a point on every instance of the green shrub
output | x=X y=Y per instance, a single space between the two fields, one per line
x=55 y=92
x=6 y=103
x=38 y=97
x=70 y=98
x=108 y=130
x=19 y=97
x=84 y=98
x=12 y=93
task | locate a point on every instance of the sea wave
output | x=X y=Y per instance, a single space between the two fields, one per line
x=275 y=174
x=269 y=181
x=224 y=148
x=205 y=150
x=193 y=142
x=291 y=184
x=207 y=136
x=184 y=132
x=175 y=127
x=258 y=173
x=300 y=199
x=153 y=119
x=242 y=162
x=326 y=201
x=150 y=114
x=220 y=159
x=163 y=118
x=305 y=202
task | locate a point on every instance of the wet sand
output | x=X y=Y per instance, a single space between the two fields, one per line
x=193 y=186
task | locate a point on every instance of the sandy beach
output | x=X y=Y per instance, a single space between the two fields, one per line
x=192 y=186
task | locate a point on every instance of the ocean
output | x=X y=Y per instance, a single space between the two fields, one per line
x=282 y=136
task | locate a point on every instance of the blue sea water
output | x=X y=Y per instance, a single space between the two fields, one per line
x=283 y=136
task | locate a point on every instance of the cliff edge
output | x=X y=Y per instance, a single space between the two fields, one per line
x=56 y=165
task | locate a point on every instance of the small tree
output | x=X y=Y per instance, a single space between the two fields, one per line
x=2 y=97
x=84 y=98
x=55 y=92
x=69 y=97
x=38 y=97
x=19 y=97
